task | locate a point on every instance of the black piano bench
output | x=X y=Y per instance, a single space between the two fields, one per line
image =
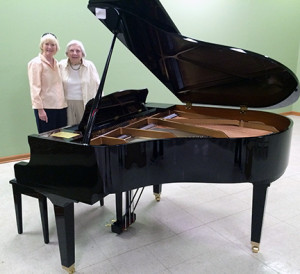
x=18 y=190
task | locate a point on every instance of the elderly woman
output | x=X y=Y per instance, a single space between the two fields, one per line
x=80 y=80
x=46 y=88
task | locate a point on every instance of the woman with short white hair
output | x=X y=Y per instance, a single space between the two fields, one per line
x=80 y=80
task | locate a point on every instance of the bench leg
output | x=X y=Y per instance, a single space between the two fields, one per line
x=44 y=217
x=17 y=193
x=101 y=201
x=18 y=208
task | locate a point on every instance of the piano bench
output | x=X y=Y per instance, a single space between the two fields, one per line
x=18 y=190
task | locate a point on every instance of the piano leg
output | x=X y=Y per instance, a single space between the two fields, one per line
x=157 y=192
x=64 y=217
x=258 y=206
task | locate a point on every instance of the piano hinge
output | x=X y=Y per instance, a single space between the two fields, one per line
x=188 y=105
x=243 y=109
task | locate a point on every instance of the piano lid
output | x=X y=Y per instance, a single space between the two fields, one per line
x=195 y=71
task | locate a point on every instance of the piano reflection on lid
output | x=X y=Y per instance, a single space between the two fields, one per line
x=125 y=143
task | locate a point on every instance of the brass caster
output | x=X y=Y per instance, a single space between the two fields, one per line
x=70 y=269
x=157 y=196
x=255 y=247
x=112 y=221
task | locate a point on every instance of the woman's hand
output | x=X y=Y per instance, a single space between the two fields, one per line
x=43 y=115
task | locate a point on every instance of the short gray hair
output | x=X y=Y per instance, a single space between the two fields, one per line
x=78 y=43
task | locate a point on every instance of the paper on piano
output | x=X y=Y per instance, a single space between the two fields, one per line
x=64 y=134
x=100 y=13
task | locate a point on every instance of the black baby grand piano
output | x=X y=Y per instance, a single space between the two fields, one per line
x=124 y=143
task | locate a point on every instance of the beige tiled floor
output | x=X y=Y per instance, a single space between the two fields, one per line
x=196 y=228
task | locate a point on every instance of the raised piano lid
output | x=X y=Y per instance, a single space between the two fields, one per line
x=195 y=71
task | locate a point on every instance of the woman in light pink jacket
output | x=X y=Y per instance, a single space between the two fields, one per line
x=46 y=88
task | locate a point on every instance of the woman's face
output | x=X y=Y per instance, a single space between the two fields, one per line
x=74 y=54
x=49 y=49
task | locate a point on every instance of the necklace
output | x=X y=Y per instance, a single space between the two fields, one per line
x=75 y=67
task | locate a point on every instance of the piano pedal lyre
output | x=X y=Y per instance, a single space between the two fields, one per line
x=70 y=269
x=255 y=247
x=157 y=196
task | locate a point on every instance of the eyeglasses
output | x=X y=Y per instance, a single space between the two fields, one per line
x=50 y=34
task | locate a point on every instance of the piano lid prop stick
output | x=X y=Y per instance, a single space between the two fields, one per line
x=97 y=100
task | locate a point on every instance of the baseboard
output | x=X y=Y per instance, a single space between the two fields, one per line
x=14 y=158
x=26 y=156
x=290 y=113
